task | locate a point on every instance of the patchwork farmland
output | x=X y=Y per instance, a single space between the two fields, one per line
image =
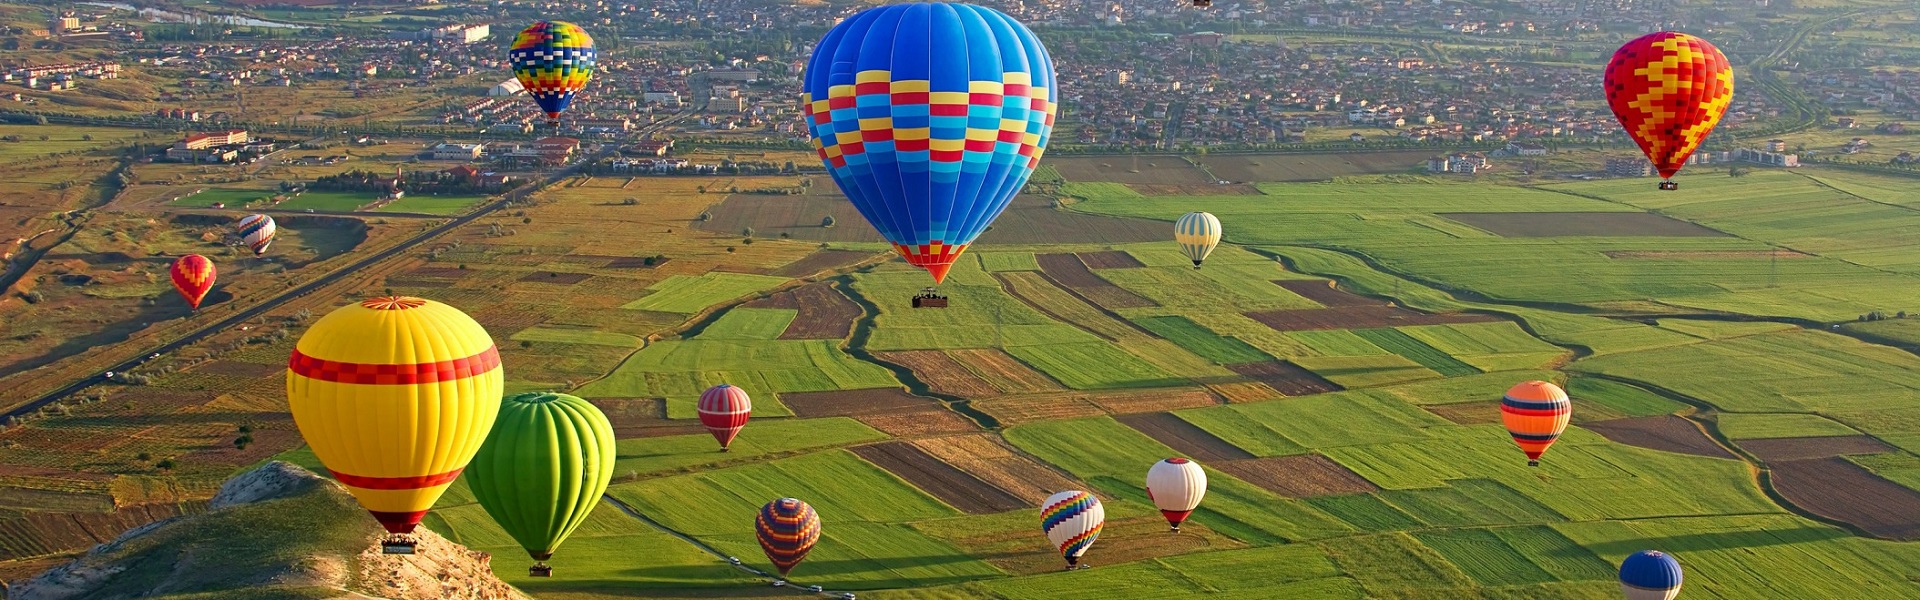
x=1335 y=366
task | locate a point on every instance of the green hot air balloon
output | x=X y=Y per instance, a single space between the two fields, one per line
x=543 y=469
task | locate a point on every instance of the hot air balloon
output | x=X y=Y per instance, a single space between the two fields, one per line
x=787 y=529
x=395 y=395
x=1176 y=486
x=1197 y=233
x=553 y=60
x=542 y=470
x=1669 y=90
x=1535 y=413
x=724 y=409
x=930 y=117
x=1072 y=520
x=1650 y=575
x=257 y=232
x=193 y=278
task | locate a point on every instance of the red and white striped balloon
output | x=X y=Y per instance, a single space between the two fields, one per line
x=724 y=410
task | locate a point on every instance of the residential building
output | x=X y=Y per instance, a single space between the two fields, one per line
x=452 y=151
x=1776 y=159
x=510 y=87
x=1630 y=167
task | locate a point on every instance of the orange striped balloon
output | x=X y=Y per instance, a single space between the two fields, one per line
x=1535 y=413
x=395 y=395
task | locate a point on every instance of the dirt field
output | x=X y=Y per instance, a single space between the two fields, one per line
x=1286 y=378
x=38 y=533
x=1359 y=317
x=1029 y=220
x=1324 y=292
x=1004 y=371
x=1067 y=271
x=237 y=369
x=556 y=277
x=1783 y=449
x=1014 y=410
x=1700 y=254
x=919 y=424
x=821 y=261
x=1469 y=413
x=642 y=417
x=850 y=403
x=1665 y=432
x=1838 y=489
x=1248 y=391
x=951 y=485
x=1147 y=169
x=941 y=373
x=984 y=456
x=1310 y=167
x=825 y=313
x=1185 y=438
x=1141 y=401
x=1110 y=259
x=1302 y=476
x=1570 y=224
x=1204 y=189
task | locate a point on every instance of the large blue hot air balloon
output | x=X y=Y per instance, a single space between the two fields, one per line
x=1650 y=575
x=930 y=117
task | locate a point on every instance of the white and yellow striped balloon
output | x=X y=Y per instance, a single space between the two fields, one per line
x=1197 y=233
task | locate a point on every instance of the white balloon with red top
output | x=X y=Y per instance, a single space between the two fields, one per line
x=1176 y=486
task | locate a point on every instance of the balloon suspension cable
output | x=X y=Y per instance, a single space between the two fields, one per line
x=1175 y=528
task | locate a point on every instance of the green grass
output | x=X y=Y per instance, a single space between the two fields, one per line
x=996 y=262
x=1796 y=371
x=433 y=205
x=1629 y=400
x=1760 y=556
x=232 y=198
x=1338 y=342
x=1500 y=346
x=327 y=201
x=590 y=337
x=1366 y=371
x=1745 y=426
x=1715 y=330
x=1394 y=561
x=1470 y=502
x=760 y=439
x=1199 y=340
x=1253 y=435
x=1484 y=557
x=980 y=315
x=750 y=324
x=1366 y=512
x=1417 y=351
x=1093 y=365
x=1898 y=331
x=685 y=294
x=1114 y=458
x=684 y=368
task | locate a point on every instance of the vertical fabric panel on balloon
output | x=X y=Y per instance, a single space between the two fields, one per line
x=553 y=60
x=724 y=409
x=787 y=529
x=543 y=468
x=1535 y=413
x=930 y=117
x=1176 y=486
x=1650 y=575
x=1669 y=90
x=395 y=395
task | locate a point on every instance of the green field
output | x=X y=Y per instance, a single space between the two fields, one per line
x=433 y=205
x=684 y=294
x=232 y=198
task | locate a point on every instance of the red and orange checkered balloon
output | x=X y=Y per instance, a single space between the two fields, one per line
x=1669 y=90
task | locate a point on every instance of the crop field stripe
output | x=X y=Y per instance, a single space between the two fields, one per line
x=1199 y=340
x=1428 y=356
x=1484 y=557
x=944 y=481
x=1193 y=442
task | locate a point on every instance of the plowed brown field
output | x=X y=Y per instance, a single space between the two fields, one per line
x=1838 y=489
x=1664 y=432
x=1285 y=377
x=1014 y=410
x=1302 y=476
x=1155 y=400
x=1324 y=292
x=1110 y=259
x=556 y=278
x=1070 y=273
x=825 y=313
x=851 y=403
x=1813 y=447
x=951 y=485
x=983 y=455
x=917 y=424
x=941 y=373
x=1359 y=317
x=642 y=417
x=1004 y=371
x=1185 y=438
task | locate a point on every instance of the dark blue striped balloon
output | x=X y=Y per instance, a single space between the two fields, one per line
x=1650 y=575
x=930 y=117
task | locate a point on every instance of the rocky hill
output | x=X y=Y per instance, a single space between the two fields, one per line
x=278 y=531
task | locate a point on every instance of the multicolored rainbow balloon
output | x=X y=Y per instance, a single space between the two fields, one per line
x=553 y=60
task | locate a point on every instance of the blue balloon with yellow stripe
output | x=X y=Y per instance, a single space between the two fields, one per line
x=930 y=117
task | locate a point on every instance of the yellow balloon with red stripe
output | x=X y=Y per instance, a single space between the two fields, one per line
x=395 y=395
x=1535 y=413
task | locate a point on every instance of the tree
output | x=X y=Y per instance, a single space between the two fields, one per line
x=524 y=344
x=87 y=137
x=747 y=232
x=827 y=222
x=165 y=464
x=240 y=443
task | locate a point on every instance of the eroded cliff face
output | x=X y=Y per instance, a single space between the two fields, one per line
x=275 y=527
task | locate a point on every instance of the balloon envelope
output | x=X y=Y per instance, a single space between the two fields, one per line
x=1072 y=520
x=552 y=60
x=257 y=231
x=395 y=395
x=1669 y=90
x=543 y=468
x=1535 y=412
x=1176 y=486
x=1198 y=233
x=930 y=117
x=724 y=410
x=1650 y=575
x=193 y=277
x=787 y=529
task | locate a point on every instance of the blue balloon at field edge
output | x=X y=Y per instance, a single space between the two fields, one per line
x=1651 y=570
x=930 y=117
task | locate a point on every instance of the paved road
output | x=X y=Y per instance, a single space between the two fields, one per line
x=268 y=305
